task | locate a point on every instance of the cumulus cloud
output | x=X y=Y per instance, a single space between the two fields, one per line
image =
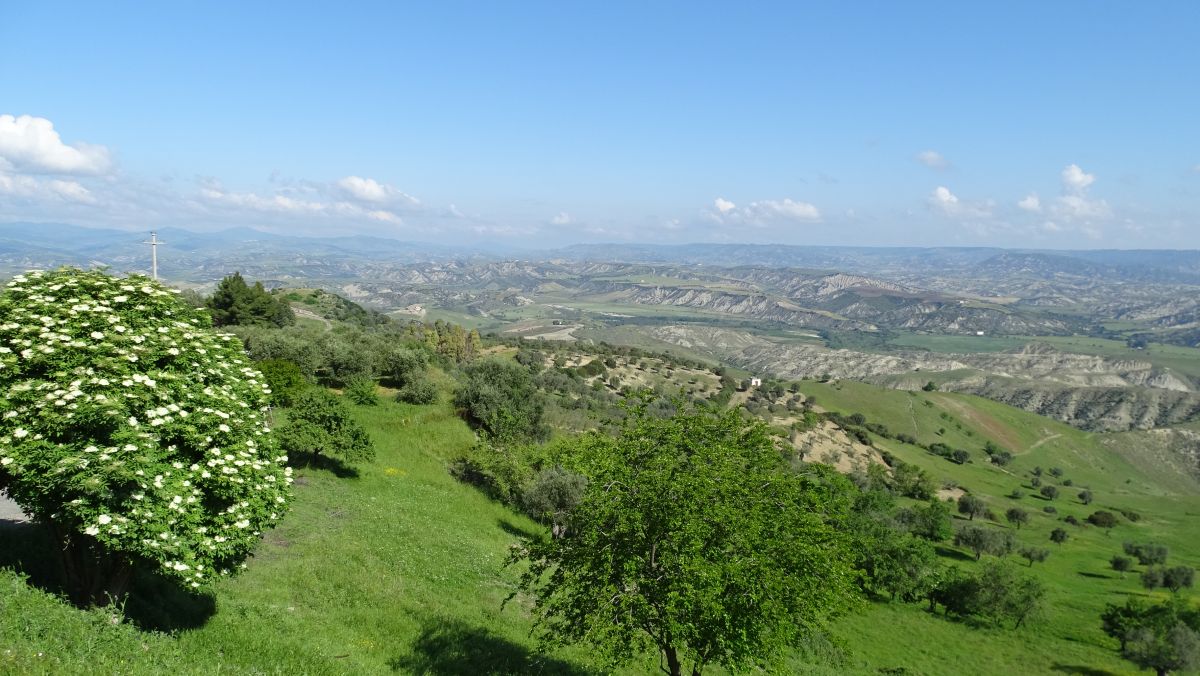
x=369 y=190
x=933 y=159
x=281 y=203
x=1074 y=205
x=763 y=212
x=30 y=145
x=563 y=218
x=35 y=189
x=1076 y=180
x=1031 y=203
x=948 y=204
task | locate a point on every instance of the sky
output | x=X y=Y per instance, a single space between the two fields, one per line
x=1021 y=124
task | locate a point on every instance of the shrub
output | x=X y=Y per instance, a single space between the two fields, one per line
x=1059 y=536
x=134 y=429
x=1102 y=519
x=362 y=391
x=418 y=392
x=1049 y=492
x=1086 y=497
x=1121 y=564
x=320 y=426
x=499 y=397
x=402 y=365
x=1017 y=516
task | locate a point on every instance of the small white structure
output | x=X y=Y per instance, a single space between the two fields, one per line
x=979 y=333
x=755 y=382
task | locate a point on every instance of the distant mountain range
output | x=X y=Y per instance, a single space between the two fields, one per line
x=199 y=255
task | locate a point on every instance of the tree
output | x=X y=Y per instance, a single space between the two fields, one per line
x=982 y=540
x=902 y=566
x=694 y=538
x=285 y=379
x=1004 y=593
x=235 y=303
x=1175 y=649
x=930 y=387
x=1152 y=578
x=1147 y=554
x=403 y=365
x=1120 y=622
x=1121 y=564
x=499 y=397
x=551 y=496
x=1034 y=555
x=118 y=396
x=320 y=426
x=1049 y=492
x=1178 y=577
x=1086 y=497
x=971 y=506
x=960 y=456
x=1059 y=536
x=1017 y=516
x=1102 y=519
x=930 y=522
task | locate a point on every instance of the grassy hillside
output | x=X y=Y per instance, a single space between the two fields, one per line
x=400 y=570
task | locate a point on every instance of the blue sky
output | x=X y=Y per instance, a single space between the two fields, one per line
x=1060 y=124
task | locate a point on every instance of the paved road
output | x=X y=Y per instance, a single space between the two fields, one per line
x=9 y=511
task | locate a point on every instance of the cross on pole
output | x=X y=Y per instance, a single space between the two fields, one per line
x=154 y=254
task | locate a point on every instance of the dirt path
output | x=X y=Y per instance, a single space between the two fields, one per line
x=309 y=314
x=1041 y=441
x=913 y=412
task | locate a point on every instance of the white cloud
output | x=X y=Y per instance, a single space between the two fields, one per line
x=948 y=204
x=786 y=210
x=35 y=189
x=933 y=159
x=563 y=218
x=372 y=191
x=31 y=145
x=1075 y=179
x=1031 y=203
x=280 y=203
x=1074 y=205
x=763 y=212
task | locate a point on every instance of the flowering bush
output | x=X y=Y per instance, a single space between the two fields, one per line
x=131 y=427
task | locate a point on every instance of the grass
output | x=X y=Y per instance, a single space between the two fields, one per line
x=400 y=570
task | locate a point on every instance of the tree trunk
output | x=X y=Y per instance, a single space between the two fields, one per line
x=92 y=576
x=673 y=661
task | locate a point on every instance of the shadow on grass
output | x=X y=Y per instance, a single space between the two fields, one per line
x=1082 y=670
x=332 y=465
x=949 y=553
x=1096 y=576
x=155 y=603
x=517 y=531
x=452 y=648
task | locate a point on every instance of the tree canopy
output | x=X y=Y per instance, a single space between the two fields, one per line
x=234 y=303
x=133 y=429
x=693 y=538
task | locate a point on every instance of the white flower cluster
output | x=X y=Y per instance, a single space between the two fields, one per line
x=126 y=416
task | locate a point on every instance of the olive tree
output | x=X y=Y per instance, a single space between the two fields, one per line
x=319 y=426
x=693 y=538
x=134 y=431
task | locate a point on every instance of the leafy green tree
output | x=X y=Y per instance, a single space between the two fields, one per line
x=1102 y=519
x=1006 y=594
x=319 y=426
x=1178 y=577
x=1162 y=637
x=235 y=303
x=1147 y=554
x=930 y=522
x=551 y=496
x=1059 y=536
x=1120 y=622
x=1086 y=497
x=1017 y=516
x=695 y=539
x=285 y=379
x=402 y=365
x=499 y=397
x=132 y=430
x=1049 y=492
x=982 y=540
x=972 y=506
x=1152 y=578
x=1121 y=564
x=362 y=391
x=903 y=567
x=1034 y=555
